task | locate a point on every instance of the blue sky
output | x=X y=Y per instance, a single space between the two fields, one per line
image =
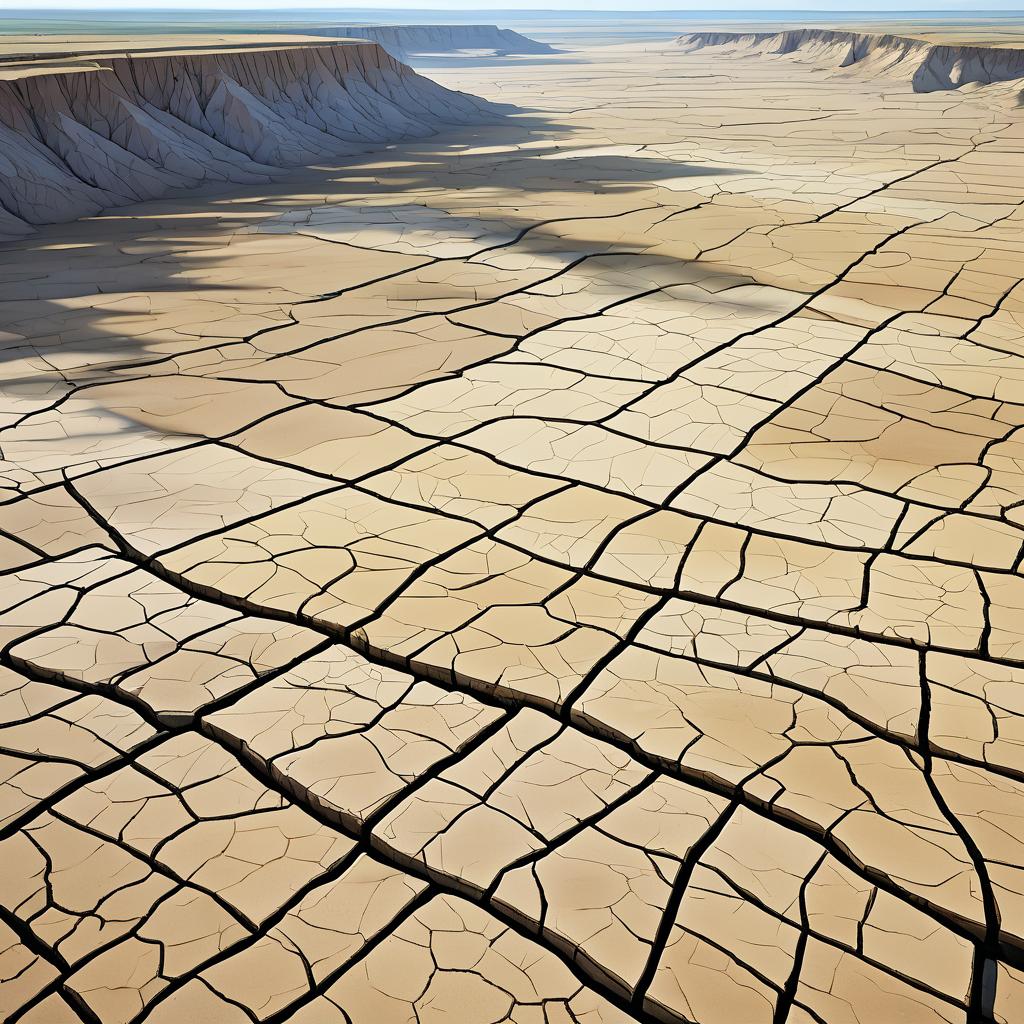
x=482 y=6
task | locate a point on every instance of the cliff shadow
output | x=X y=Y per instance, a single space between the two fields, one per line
x=95 y=300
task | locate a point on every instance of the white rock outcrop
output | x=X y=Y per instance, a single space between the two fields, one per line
x=76 y=141
x=929 y=66
x=404 y=40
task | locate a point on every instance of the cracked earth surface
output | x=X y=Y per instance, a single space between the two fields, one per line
x=568 y=570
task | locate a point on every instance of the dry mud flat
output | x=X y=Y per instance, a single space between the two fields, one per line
x=565 y=570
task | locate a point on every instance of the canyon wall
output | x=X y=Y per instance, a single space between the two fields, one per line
x=929 y=66
x=403 y=40
x=75 y=141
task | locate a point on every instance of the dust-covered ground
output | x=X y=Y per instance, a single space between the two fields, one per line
x=561 y=570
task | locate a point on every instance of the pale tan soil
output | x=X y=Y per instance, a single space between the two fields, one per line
x=34 y=55
x=109 y=42
x=559 y=571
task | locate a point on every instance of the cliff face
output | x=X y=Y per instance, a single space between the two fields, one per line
x=401 y=40
x=76 y=141
x=928 y=66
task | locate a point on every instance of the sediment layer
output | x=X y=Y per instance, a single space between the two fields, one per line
x=75 y=142
x=930 y=67
x=401 y=40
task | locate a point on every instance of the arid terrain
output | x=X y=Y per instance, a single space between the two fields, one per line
x=558 y=561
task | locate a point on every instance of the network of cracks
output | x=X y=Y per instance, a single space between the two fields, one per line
x=559 y=573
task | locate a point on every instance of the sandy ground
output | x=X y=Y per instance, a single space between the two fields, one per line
x=562 y=571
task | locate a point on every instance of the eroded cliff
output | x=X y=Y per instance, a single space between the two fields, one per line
x=929 y=66
x=77 y=140
x=402 y=40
